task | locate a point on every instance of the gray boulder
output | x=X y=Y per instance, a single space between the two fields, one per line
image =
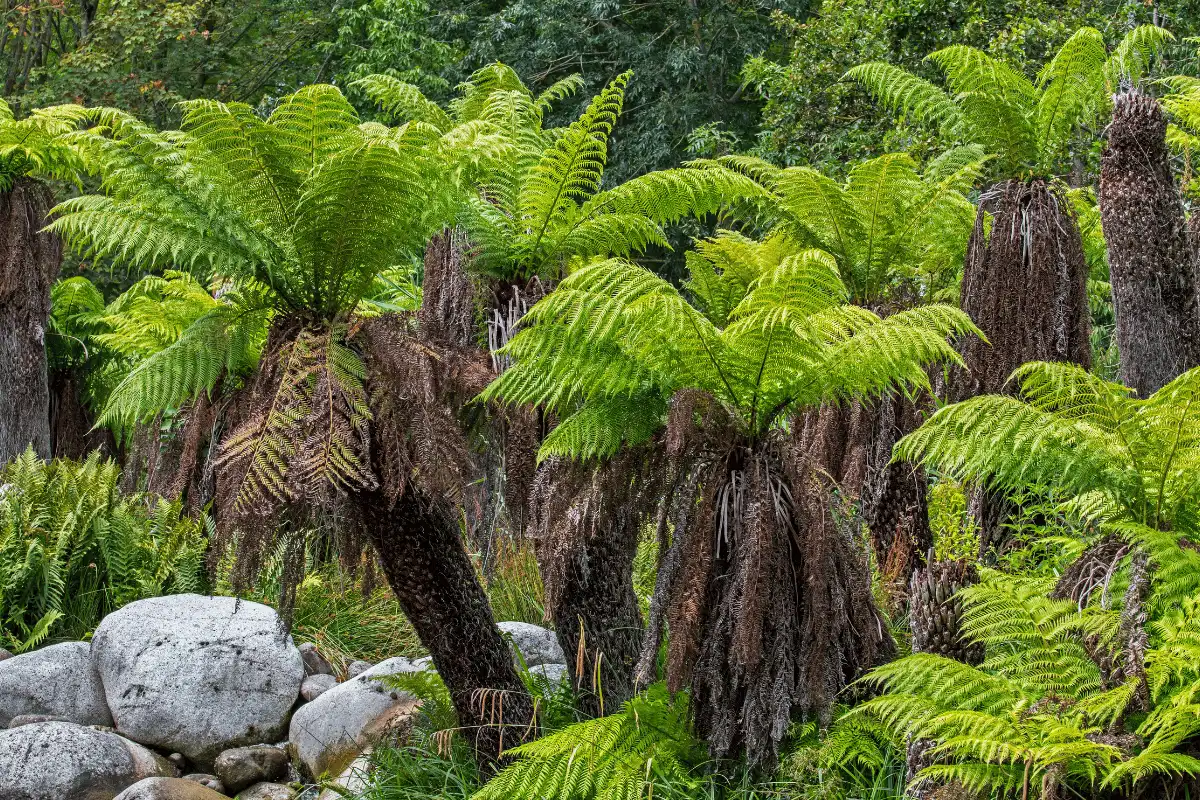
x=29 y=719
x=60 y=760
x=356 y=668
x=316 y=685
x=327 y=734
x=56 y=681
x=197 y=674
x=538 y=645
x=553 y=674
x=266 y=791
x=314 y=662
x=170 y=789
x=245 y=766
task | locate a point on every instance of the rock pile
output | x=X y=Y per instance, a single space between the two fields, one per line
x=190 y=698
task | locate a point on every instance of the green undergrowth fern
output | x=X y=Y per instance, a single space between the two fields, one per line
x=645 y=748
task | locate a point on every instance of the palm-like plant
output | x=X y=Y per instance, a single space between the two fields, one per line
x=618 y=353
x=1082 y=439
x=30 y=150
x=303 y=212
x=898 y=234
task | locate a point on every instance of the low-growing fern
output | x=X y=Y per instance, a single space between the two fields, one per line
x=73 y=548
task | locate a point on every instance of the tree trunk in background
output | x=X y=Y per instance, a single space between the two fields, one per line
x=893 y=498
x=936 y=623
x=1025 y=286
x=417 y=540
x=29 y=263
x=586 y=520
x=71 y=421
x=1151 y=262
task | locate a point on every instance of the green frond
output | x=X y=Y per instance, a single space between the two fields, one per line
x=402 y=101
x=907 y=95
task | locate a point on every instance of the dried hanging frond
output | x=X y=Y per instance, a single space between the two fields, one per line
x=413 y=387
x=1024 y=285
x=448 y=301
x=893 y=497
x=1093 y=571
x=836 y=440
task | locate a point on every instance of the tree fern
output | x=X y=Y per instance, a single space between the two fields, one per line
x=1025 y=124
x=35 y=145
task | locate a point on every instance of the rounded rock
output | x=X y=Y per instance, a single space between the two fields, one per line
x=57 y=681
x=245 y=766
x=538 y=645
x=267 y=791
x=58 y=760
x=170 y=789
x=356 y=668
x=316 y=685
x=197 y=675
x=314 y=662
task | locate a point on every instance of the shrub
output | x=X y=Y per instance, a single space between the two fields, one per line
x=73 y=548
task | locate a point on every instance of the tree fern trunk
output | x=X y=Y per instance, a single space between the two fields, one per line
x=71 y=421
x=1151 y=263
x=893 y=498
x=29 y=263
x=1025 y=286
x=422 y=555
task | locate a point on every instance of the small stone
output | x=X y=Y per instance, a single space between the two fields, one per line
x=29 y=719
x=314 y=662
x=204 y=779
x=4 y=654
x=356 y=668
x=179 y=761
x=316 y=685
x=267 y=791
x=245 y=766
x=170 y=789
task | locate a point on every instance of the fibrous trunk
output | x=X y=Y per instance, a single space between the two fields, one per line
x=1151 y=262
x=586 y=520
x=936 y=618
x=1025 y=286
x=29 y=263
x=773 y=612
x=71 y=433
x=418 y=544
x=893 y=498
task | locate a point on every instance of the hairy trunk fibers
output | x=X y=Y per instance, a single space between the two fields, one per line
x=586 y=520
x=71 y=421
x=199 y=423
x=29 y=263
x=1025 y=286
x=893 y=498
x=419 y=548
x=1151 y=262
x=774 y=613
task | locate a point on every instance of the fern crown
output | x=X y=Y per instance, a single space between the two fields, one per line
x=1027 y=125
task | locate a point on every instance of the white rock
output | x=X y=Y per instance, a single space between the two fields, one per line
x=538 y=645
x=553 y=674
x=316 y=685
x=354 y=781
x=57 y=681
x=330 y=732
x=170 y=789
x=61 y=760
x=198 y=675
